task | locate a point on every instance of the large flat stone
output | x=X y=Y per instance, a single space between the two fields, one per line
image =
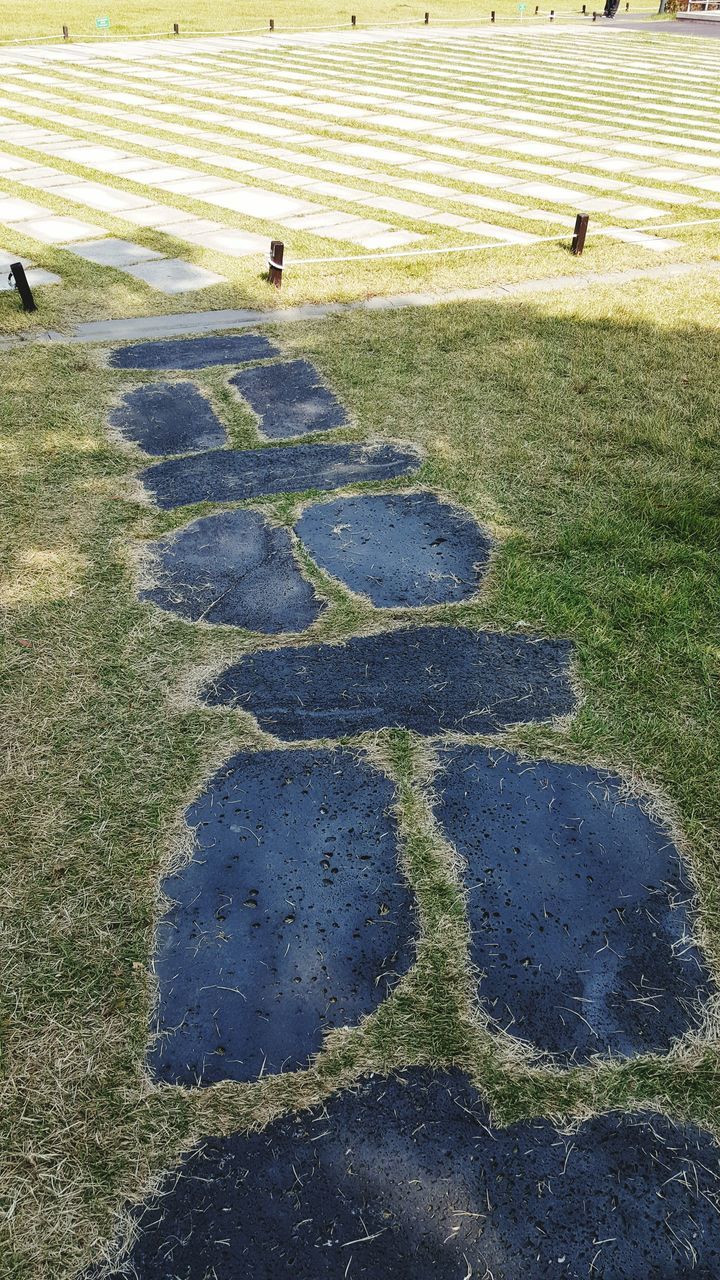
x=578 y=906
x=400 y=549
x=113 y=252
x=429 y=679
x=168 y=417
x=233 y=475
x=407 y=1179
x=174 y=275
x=193 y=353
x=289 y=399
x=291 y=918
x=233 y=568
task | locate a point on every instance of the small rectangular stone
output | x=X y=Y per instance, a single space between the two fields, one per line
x=173 y=275
x=112 y=252
x=54 y=228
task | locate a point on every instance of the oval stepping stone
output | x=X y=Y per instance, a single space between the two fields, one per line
x=168 y=417
x=408 y=1180
x=193 y=353
x=400 y=549
x=233 y=568
x=291 y=918
x=430 y=679
x=233 y=475
x=289 y=399
x=578 y=906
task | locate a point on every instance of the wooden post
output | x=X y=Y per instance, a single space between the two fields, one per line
x=552 y=15
x=66 y=33
x=353 y=20
x=427 y=19
x=272 y=24
x=578 y=240
x=492 y=15
x=176 y=28
x=17 y=271
x=584 y=9
x=275 y=264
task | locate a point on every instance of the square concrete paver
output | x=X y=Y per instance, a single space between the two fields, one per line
x=173 y=275
x=55 y=228
x=112 y=252
x=15 y=209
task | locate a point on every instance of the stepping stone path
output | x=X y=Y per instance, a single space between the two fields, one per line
x=293 y=915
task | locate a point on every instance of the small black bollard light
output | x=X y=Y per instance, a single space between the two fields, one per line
x=275 y=263
x=66 y=33
x=579 y=234
x=427 y=19
x=17 y=271
x=537 y=10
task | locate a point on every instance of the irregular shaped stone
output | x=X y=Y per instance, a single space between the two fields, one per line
x=408 y=1180
x=233 y=568
x=430 y=679
x=291 y=918
x=232 y=475
x=168 y=417
x=578 y=906
x=289 y=399
x=400 y=549
x=193 y=353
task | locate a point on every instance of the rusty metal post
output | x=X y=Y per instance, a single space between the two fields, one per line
x=275 y=262
x=17 y=271
x=579 y=234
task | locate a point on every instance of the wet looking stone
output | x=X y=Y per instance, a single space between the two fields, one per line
x=289 y=399
x=193 y=353
x=578 y=906
x=400 y=549
x=408 y=1180
x=233 y=568
x=291 y=918
x=430 y=679
x=233 y=475
x=168 y=417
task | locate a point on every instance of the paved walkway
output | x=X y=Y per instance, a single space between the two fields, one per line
x=296 y=912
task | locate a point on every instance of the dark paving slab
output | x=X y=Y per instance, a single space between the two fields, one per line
x=289 y=399
x=430 y=679
x=233 y=568
x=232 y=475
x=409 y=1181
x=168 y=417
x=292 y=917
x=193 y=353
x=679 y=27
x=400 y=549
x=578 y=906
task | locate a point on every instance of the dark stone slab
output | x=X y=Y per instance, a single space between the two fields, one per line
x=400 y=549
x=289 y=399
x=233 y=568
x=408 y=1180
x=168 y=417
x=291 y=918
x=232 y=475
x=430 y=679
x=578 y=906
x=193 y=353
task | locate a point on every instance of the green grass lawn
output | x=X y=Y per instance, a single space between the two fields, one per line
x=583 y=430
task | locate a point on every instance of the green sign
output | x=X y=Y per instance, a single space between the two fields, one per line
x=521 y=8
x=102 y=22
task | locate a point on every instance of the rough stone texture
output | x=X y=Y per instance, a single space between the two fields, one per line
x=291 y=918
x=233 y=568
x=407 y=1180
x=193 y=353
x=232 y=475
x=289 y=399
x=430 y=679
x=400 y=549
x=168 y=417
x=577 y=904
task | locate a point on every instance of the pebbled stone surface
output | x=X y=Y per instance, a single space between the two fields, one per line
x=289 y=399
x=292 y=917
x=233 y=568
x=430 y=679
x=407 y=1179
x=233 y=475
x=193 y=353
x=578 y=906
x=400 y=549
x=168 y=417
